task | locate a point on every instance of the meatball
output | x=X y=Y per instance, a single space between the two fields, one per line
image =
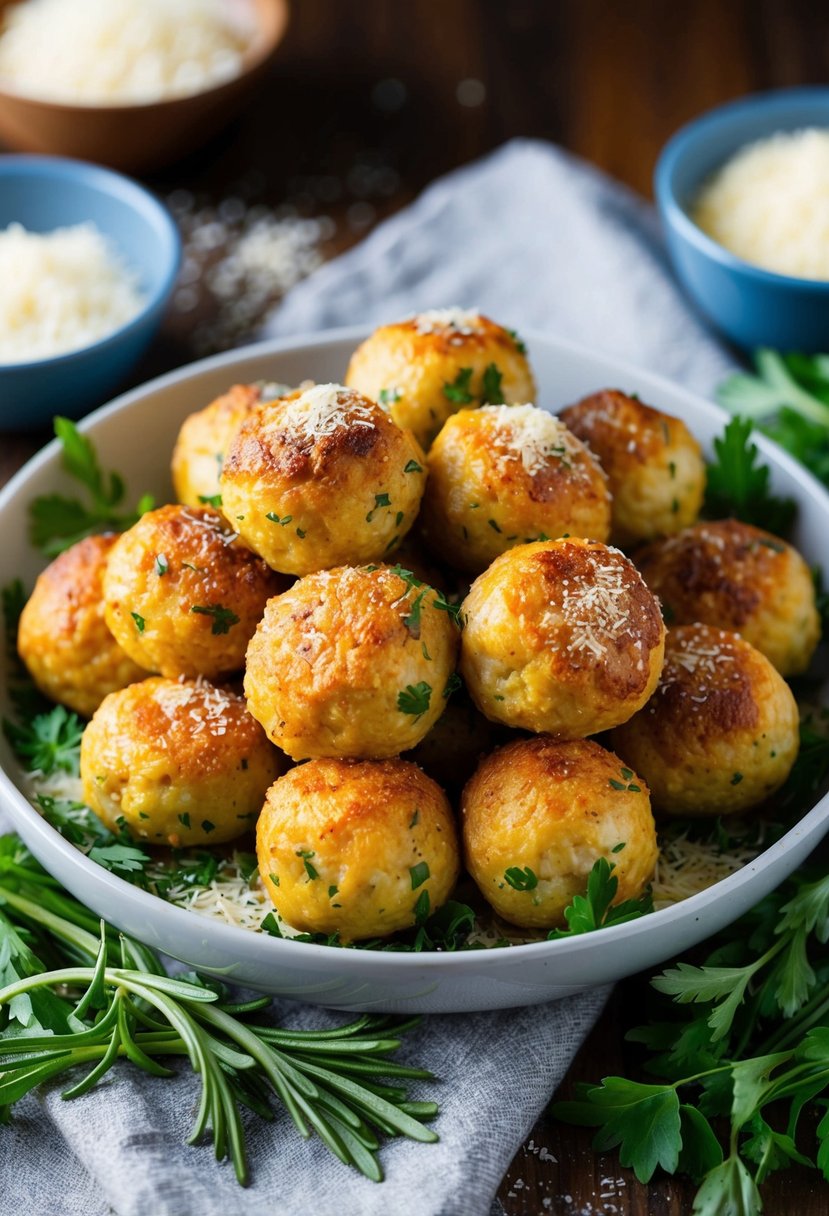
x=353 y=662
x=183 y=596
x=205 y=437
x=504 y=475
x=539 y=813
x=655 y=465
x=424 y=368
x=357 y=848
x=720 y=733
x=63 y=638
x=454 y=746
x=561 y=637
x=321 y=479
x=739 y=578
x=177 y=762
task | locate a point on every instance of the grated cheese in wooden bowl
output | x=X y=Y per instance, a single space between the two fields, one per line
x=121 y=51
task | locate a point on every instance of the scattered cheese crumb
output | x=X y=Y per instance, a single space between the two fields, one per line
x=438 y=320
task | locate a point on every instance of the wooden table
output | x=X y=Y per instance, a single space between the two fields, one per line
x=369 y=100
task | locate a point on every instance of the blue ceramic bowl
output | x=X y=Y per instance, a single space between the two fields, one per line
x=752 y=307
x=43 y=193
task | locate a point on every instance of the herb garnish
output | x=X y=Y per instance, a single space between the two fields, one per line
x=415 y=698
x=493 y=394
x=56 y=522
x=48 y=743
x=161 y=565
x=223 y=618
x=739 y=486
x=746 y=1040
x=595 y=909
x=521 y=878
x=110 y=997
x=211 y=500
x=458 y=391
x=419 y=873
x=140 y=623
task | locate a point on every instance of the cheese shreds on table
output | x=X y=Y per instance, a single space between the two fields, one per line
x=769 y=204
x=121 y=51
x=60 y=291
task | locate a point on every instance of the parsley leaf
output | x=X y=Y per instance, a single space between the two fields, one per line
x=419 y=873
x=738 y=486
x=643 y=1120
x=458 y=391
x=223 y=618
x=56 y=522
x=415 y=698
x=493 y=394
x=595 y=909
x=49 y=743
x=521 y=879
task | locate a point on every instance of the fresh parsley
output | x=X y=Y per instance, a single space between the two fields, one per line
x=211 y=500
x=223 y=618
x=414 y=699
x=458 y=392
x=521 y=878
x=493 y=394
x=56 y=521
x=744 y=1039
x=49 y=743
x=596 y=909
x=738 y=484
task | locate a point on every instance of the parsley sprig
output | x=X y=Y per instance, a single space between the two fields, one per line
x=108 y=1000
x=596 y=909
x=747 y=1042
x=739 y=484
x=56 y=522
x=49 y=742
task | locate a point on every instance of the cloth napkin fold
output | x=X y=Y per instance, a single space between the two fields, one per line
x=537 y=239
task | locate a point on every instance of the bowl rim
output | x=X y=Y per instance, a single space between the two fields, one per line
x=257 y=54
x=686 y=139
x=140 y=200
x=228 y=936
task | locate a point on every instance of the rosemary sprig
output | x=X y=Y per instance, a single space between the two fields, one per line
x=107 y=998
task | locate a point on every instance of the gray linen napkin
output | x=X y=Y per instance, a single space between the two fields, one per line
x=537 y=239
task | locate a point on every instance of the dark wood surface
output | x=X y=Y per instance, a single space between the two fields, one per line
x=360 y=111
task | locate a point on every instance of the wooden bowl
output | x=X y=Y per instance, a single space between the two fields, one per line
x=139 y=137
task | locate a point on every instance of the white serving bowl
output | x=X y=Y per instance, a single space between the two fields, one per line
x=135 y=435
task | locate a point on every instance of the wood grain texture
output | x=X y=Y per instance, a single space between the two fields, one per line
x=609 y=81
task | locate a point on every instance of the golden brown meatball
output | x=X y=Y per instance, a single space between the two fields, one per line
x=183 y=595
x=177 y=762
x=720 y=733
x=63 y=638
x=453 y=748
x=539 y=813
x=358 y=848
x=425 y=368
x=505 y=475
x=561 y=637
x=322 y=478
x=655 y=465
x=741 y=578
x=352 y=662
x=205 y=437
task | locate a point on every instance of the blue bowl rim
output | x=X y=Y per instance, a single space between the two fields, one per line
x=105 y=181
x=684 y=139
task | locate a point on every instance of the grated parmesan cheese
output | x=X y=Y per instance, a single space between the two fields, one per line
x=535 y=437
x=128 y=51
x=321 y=411
x=438 y=320
x=597 y=610
x=60 y=291
x=769 y=204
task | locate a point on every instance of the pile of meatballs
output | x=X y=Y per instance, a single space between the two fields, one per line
x=280 y=649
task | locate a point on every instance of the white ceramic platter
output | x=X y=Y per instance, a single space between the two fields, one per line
x=135 y=435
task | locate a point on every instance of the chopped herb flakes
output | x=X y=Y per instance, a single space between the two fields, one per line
x=419 y=873
x=458 y=391
x=414 y=698
x=161 y=565
x=140 y=623
x=223 y=618
x=521 y=879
